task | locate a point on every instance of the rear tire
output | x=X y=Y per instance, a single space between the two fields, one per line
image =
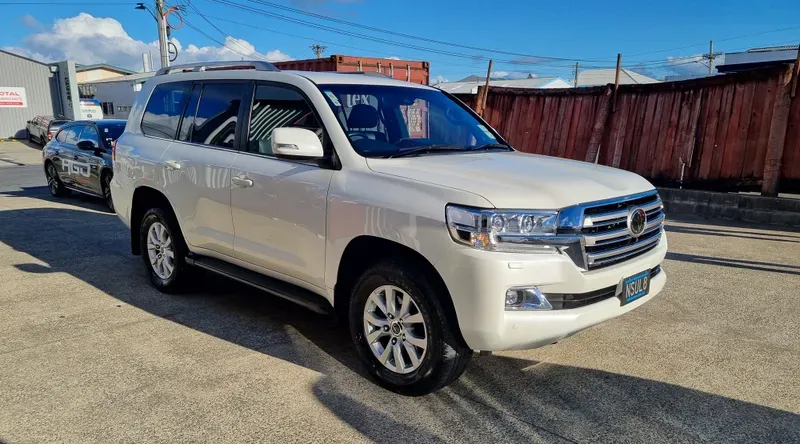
x=54 y=184
x=394 y=311
x=163 y=250
x=105 y=187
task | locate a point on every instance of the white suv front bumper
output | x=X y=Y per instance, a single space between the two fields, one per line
x=478 y=281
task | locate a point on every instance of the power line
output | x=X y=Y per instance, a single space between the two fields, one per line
x=254 y=54
x=413 y=37
x=224 y=34
x=68 y=4
x=719 y=40
x=373 y=38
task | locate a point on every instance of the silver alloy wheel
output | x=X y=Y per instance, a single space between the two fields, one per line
x=160 y=250
x=52 y=179
x=397 y=335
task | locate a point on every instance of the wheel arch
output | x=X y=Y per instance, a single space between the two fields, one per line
x=144 y=198
x=365 y=250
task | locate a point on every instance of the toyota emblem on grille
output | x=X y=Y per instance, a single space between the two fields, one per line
x=637 y=221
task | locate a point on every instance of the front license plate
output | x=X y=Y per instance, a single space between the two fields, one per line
x=635 y=287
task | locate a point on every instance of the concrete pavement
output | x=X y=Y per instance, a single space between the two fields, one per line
x=89 y=352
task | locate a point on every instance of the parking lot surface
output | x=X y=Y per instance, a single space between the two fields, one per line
x=90 y=352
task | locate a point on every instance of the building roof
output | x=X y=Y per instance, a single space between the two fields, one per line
x=81 y=68
x=774 y=48
x=139 y=77
x=471 y=87
x=23 y=57
x=595 y=77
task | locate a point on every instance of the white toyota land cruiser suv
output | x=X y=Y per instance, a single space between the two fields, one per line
x=389 y=204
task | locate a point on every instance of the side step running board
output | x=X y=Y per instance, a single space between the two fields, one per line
x=293 y=293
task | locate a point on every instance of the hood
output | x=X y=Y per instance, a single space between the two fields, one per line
x=516 y=180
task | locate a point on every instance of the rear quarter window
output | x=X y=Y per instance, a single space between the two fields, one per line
x=164 y=109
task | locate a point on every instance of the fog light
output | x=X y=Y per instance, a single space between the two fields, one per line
x=514 y=297
x=526 y=298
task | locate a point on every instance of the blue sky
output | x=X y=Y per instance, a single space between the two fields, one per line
x=573 y=30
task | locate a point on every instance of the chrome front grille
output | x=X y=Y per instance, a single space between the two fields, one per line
x=604 y=228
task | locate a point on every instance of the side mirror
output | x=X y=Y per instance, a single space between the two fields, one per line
x=296 y=142
x=87 y=145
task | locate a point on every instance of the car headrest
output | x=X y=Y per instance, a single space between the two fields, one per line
x=362 y=116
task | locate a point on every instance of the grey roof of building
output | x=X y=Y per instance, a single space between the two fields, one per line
x=471 y=87
x=594 y=77
x=81 y=68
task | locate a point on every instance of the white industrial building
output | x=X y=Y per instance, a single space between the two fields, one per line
x=116 y=95
x=29 y=88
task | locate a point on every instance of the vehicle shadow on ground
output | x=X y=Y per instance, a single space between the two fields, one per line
x=75 y=198
x=735 y=263
x=733 y=233
x=498 y=398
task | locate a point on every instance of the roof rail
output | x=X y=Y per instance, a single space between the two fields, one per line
x=257 y=65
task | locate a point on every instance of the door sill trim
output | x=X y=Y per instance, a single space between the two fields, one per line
x=285 y=290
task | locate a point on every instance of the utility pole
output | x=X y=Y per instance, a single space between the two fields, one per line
x=575 y=85
x=162 y=33
x=616 y=82
x=318 y=50
x=711 y=58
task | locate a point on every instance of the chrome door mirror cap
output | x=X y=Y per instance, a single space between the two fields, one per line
x=296 y=142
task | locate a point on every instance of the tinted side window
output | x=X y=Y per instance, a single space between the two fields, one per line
x=62 y=135
x=164 y=109
x=188 y=115
x=217 y=112
x=277 y=107
x=90 y=133
x=72 y=134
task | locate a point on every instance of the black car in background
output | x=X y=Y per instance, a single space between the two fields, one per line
x=42 y=129
x=79 y=158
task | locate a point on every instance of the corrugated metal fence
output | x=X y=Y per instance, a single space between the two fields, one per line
x=727 y=130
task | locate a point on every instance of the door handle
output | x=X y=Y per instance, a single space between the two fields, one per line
x=172 y=165
x=243 y=182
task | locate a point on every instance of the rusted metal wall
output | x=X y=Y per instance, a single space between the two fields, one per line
x=719 y=127
x=409 y=70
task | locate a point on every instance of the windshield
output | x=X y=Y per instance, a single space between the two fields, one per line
x=110 y=133
x=387 y=121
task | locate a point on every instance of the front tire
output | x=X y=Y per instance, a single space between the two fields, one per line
x=163 y=250
x=401 y=333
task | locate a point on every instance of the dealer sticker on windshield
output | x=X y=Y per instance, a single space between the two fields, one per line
x=333 y=98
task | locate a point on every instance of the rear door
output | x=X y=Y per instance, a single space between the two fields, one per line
x=72 y=168
x=198 y=164
x=279 y=205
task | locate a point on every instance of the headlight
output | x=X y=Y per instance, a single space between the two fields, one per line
x=502 y=230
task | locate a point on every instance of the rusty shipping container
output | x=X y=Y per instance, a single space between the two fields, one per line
x=408 y=70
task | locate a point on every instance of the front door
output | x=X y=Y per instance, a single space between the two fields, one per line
x=89 y=160
x=278 y=205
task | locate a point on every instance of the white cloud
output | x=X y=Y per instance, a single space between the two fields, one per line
x=439 y=79
x=88 y=40
x=511 y=75
x=393 y=58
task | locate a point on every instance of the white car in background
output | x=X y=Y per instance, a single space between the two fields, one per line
x=389 y=204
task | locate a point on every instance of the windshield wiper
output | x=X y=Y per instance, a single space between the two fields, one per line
x=490 y=146
x=426 y=149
